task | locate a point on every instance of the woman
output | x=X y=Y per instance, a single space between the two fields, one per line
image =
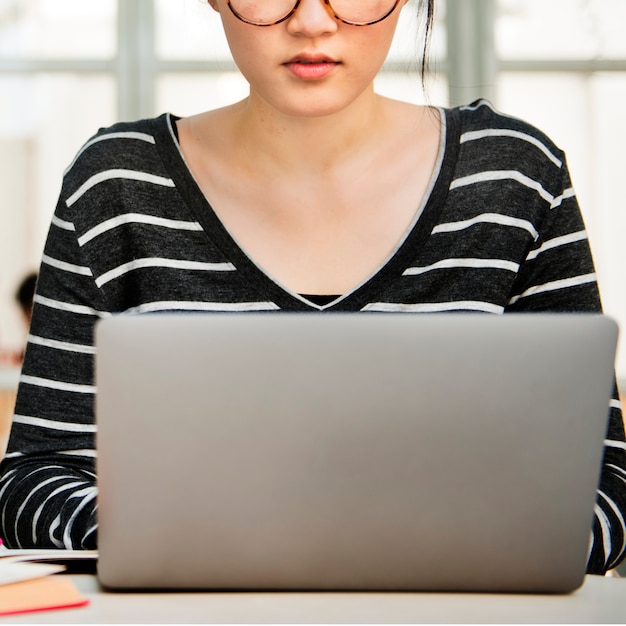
x=312 y=194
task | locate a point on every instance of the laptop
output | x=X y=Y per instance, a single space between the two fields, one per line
x=380 y=452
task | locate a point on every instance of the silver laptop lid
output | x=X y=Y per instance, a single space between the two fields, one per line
x=372 y=451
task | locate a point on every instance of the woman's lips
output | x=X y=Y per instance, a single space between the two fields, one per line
x=311 y=67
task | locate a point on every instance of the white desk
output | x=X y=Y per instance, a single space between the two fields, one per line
x=600 y=600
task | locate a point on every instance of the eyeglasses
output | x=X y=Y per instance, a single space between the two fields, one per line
x=352 y=12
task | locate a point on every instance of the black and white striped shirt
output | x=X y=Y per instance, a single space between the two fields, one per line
x=500 y=231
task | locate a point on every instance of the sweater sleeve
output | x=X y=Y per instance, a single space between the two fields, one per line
x=559 y=275
x=47 y=485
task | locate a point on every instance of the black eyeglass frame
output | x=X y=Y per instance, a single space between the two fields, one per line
x=326 y=2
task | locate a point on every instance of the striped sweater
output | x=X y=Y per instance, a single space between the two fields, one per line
x=500 y=231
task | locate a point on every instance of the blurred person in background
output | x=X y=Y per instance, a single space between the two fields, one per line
x=24 y=296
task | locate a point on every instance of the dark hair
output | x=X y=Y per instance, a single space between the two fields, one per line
x=426 y=10
x=26 y=292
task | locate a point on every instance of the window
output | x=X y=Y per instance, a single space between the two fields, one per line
x=562 y=65
x=68 y=67
x=57 y=83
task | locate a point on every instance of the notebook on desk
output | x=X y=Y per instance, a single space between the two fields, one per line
x=350 y=452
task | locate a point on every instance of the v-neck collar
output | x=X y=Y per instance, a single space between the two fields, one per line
x=361 y=295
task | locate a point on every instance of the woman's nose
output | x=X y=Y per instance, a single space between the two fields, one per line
x=312 y=18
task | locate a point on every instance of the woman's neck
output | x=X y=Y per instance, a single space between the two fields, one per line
x=308 y=144
x=318 y=203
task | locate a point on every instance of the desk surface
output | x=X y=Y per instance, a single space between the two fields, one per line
x=599 y=600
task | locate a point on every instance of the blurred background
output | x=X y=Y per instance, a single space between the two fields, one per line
x=69 y=67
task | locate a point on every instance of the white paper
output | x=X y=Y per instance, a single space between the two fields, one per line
x=15 y=556
x=16 y=571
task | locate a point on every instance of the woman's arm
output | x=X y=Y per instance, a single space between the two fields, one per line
x=559 y=275
x=47 y=485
